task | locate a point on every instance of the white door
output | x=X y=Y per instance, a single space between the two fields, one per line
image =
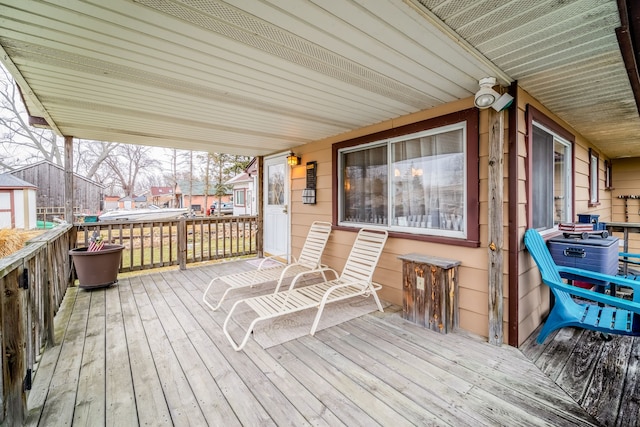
x=276 y=206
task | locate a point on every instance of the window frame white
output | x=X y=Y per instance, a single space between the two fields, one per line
x=560 y=135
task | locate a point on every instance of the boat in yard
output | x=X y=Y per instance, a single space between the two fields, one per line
x=152 y=213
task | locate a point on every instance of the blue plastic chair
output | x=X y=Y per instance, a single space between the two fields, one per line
x=598 y=311
x=629 y=264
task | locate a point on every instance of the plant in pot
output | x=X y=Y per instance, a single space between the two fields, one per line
x=97 y=265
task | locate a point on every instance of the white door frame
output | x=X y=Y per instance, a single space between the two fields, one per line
x=273 y=241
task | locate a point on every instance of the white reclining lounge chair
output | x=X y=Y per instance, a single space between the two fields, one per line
x=308 y=261
x=355 y=280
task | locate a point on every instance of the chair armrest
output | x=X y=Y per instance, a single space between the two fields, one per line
x=274 y=257
x=624 y=257
x=323 y=269
x=587 y=294
x=594 y=275
x=628 y=255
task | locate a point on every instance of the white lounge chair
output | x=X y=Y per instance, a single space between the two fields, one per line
x=308 y=261
x=355 y=280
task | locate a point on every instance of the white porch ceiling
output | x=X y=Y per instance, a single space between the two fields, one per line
x=260 y=76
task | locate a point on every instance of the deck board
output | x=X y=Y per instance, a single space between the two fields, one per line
x=150 y=401
x=600 y=375
x=148 y=351
x=118 y=388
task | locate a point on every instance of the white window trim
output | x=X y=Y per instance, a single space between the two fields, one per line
x=568 y=176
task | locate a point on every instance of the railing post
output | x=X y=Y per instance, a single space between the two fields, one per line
x=182 y=243
x=13 y=349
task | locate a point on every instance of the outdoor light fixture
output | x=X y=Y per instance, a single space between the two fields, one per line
x=487 y=97
x=293 y=160
x=309 y=196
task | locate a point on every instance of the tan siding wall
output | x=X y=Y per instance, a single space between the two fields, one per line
x=473 y=278
x=626 y=182
x=534 y=298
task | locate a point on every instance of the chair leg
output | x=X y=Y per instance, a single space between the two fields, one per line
x=238 y=347
x=375 y=297
x=554 y=321
x=224 y=295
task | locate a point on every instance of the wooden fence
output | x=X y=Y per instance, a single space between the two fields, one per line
x=33 y=281
x=154 y=244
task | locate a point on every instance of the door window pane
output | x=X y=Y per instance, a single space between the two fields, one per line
x=275 y=185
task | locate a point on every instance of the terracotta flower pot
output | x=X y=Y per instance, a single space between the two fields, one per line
x=97 y=269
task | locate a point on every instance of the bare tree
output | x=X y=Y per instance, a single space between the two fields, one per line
x=127 y=162
x=22 y=143
x=34 y=143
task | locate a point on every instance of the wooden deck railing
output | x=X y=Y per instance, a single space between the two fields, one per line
x=153 y=244
x=33 y=281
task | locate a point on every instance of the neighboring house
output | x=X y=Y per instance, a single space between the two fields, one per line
x=129 y=202
x=110 y=203
x=17 y=203
x=50 y=180
x=244 y=196
x=193 y=195
x=163 y=197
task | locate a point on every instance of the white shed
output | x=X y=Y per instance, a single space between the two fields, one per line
x=244 y=196
x=17 y=203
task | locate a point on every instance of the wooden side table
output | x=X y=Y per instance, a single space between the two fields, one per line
x=430 y=291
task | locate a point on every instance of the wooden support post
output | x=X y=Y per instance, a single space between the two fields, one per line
x=496 y=225
x=182 y=243
x=68 y=179
x=260 y=201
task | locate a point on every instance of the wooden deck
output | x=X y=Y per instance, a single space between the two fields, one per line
x=148 y=352
x=600 y=375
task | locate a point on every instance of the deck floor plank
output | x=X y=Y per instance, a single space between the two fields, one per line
x=400 y=375
x=91 y=399
x=61 y=399
x=120 y=395
x=601 y=375
x=275 y=403
x=47 y=365
x=210 y=400
x=183 y=404
x=603 y=395
x=412 y=411
x=501 y=380
x=166 y=361
x=206 y=333
x=151 y=404
x=629 y=411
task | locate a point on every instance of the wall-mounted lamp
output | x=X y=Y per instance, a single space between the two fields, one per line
x=487 y=97
x=293 y=160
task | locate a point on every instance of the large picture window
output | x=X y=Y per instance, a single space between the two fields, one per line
x=550 y=174
x=414 y=183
